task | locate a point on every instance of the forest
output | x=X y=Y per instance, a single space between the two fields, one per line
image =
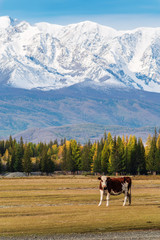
x=110 y=155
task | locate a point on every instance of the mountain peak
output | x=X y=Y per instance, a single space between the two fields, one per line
x=48 y=56
x=6 y=21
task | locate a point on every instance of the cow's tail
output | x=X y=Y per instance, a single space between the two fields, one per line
x=129 y=181
x=129 y=189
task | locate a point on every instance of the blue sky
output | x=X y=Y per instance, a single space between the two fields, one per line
x=120 y=14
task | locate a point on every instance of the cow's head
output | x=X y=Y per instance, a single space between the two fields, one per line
x=103 y=182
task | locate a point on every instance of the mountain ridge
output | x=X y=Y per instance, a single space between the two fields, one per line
x=81 y=133
x=47 y=56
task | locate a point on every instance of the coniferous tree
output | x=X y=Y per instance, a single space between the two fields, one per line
x=105 y=136
x=74 y=161
x=61 y=142
x=124 y=155
x=115 y=158
x=158 y=153
x=0 y=166
x=21 y=144
x=10 y=141
x=50 y=162
x=55 y=142
x=54 y=152
x=132 y=155
x=92 y=154
x=133 y=162
x=141 y=163
x=151 y=159
x=70 y=162
x=64 y=158
x=27 y=164
x=86 y=157
x=97 y=159
x=110 y=145
x=2 y=147
x=50 y=144
x=105 y=158
x=47 y=165
x=147 y=150
x=120 y=154
x=78 y=157
x=12 y=151
x=18 y=159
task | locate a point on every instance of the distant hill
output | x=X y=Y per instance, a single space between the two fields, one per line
x=84 y=107
x=81 y=132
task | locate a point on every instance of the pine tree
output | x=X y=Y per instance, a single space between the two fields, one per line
x=10 y=141
x=47 y=165
x=27 y=164
x=148 y=145
x=141 y=163
x=70 y=162
x=86 y=157
x=158 y=153
x=44 y=160
x=97 y=159
x=115 y=158
x=75 y=159
x=18 y=159
x=110 y=145
x=12 y=152
x=151 y=158
x=55 y=142
x=92 y=153
x=78 y=157
x=0 y=166
x=64 y=164
x=105 y=136
x=105 y=158
x=132 y=155
x=2 y=147
x=123 y=154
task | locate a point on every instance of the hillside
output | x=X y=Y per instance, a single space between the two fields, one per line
x=74 y=106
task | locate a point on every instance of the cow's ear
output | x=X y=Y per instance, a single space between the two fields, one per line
x=99 y=178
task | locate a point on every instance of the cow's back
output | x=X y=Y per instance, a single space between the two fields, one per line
x=116 y=184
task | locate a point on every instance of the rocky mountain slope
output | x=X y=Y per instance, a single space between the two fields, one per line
x=47 y=56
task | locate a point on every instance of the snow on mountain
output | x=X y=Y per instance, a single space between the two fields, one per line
x=48 y=56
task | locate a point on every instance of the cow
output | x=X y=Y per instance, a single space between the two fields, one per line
x=115 y=186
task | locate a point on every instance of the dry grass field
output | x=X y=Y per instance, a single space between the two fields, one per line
x=68 y=204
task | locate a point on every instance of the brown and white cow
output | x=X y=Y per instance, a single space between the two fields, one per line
x=115 y=186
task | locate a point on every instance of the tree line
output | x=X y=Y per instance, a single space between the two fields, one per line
x=110 y=155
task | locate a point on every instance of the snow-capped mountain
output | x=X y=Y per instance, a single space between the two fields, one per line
x=48 y=56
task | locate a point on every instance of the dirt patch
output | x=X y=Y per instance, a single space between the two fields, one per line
x=130 y=235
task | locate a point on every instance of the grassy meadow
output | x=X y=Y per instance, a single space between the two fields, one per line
x=69 y=204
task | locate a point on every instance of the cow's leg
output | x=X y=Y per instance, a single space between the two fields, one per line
x=101 y=198
x=125 y=198
x=129 y=198
x=107 y=198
